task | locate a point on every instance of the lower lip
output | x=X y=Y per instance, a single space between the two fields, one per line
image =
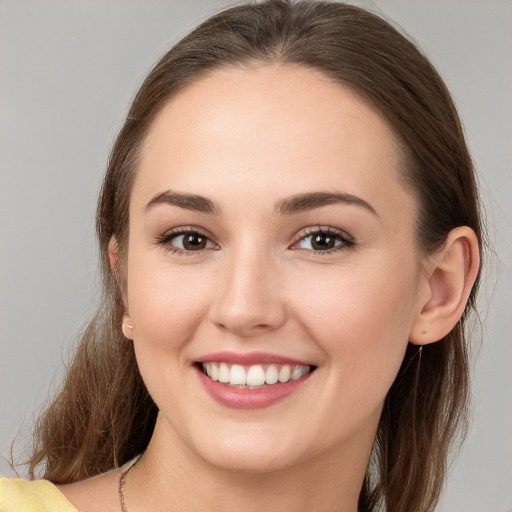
x=240 y=398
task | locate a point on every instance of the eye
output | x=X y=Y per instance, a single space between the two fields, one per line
x=188 y=240
x=324 y=240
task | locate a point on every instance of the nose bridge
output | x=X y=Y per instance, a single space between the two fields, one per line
x=248 y=298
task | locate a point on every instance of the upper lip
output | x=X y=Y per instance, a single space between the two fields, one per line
x=249 y=358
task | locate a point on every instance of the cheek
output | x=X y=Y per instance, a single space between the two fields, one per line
x=166 y=307
x=361 y=320
x=166 y=304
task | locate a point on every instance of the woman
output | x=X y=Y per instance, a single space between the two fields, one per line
x=290 y=241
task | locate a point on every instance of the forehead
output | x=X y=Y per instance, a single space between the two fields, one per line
x=274 y=128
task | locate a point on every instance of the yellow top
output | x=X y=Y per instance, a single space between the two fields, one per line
x=19 y=495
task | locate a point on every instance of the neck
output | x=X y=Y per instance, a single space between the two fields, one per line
x=184 y=481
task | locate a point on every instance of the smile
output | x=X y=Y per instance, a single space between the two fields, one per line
x=251 y=381
x=254 y=376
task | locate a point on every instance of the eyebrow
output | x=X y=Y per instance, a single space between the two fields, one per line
x=187 y=201
x=312 y=200
x=295 y=204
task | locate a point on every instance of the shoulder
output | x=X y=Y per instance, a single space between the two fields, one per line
x=19 y=495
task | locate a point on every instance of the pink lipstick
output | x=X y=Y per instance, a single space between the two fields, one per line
x=251 y=380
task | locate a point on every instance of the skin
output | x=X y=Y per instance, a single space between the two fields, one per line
x=248 y=139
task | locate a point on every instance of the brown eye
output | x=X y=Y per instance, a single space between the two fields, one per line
x=322 y=241
x=325 y=241
x=194 y=242
x=188 y=241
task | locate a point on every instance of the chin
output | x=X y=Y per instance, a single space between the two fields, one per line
x=249 y=462
x=249 y=453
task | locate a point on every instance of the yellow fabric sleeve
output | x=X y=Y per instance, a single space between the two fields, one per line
x=19 y=495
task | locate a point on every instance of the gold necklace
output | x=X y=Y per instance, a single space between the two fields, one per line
x=122 y=481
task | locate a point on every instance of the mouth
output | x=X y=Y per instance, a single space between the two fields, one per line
x=253 y=380
x=256 y=376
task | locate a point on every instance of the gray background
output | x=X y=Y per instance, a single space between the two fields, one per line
x=68 y=70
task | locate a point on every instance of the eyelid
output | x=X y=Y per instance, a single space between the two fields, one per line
x=348 y=240
x=166 y=237
x=182 y=230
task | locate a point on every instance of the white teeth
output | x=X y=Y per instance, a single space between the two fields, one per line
x=254 y=376
x=237 y=375
x=224 y=373
x=271 y=375
x=296 y=373
x=284 y=373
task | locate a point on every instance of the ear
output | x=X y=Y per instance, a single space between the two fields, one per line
x=113 y=256
x=127 y=326
x=450 y=275
x=113 y=253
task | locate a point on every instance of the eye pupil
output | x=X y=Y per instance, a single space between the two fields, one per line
x=194 y=241
x=322 y=241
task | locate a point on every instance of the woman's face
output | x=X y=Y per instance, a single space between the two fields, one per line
x=271 y=239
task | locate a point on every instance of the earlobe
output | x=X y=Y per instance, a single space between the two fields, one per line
x=127 y=327
x=451 y=273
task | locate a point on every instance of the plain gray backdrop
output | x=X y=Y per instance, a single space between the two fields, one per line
x=68 y=70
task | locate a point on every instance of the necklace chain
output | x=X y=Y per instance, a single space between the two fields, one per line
x=122 y=482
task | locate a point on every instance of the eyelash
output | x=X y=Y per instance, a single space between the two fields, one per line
x=166 y=238
x=346 y=240
x=340 y=236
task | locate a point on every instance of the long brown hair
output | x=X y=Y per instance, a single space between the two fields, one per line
x=103 y=416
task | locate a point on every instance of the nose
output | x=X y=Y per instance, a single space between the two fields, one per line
x=249 y=299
